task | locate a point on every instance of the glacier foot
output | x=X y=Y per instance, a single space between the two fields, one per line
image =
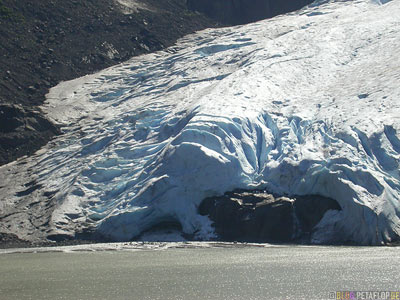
x=303 y=104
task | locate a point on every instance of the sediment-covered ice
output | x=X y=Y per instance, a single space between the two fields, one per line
x=304 y=103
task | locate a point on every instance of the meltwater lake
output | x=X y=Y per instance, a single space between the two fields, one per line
x=196 y=271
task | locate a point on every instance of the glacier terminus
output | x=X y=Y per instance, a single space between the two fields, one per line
x=306 y=103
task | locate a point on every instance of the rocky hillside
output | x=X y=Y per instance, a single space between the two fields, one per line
x=244 y=11
x=45 y=42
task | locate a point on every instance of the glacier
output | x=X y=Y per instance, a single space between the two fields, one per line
x=304 y=103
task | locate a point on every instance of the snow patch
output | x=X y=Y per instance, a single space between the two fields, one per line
x=131 y=6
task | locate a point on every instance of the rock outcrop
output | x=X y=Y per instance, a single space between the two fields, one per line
x=22 y=130
x=256 y=216
x=244 y=11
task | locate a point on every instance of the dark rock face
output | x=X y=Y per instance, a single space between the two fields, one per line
x=310 y=209
x=12 y=241
x=244 y=11
x=254 y=216
x=22 y=131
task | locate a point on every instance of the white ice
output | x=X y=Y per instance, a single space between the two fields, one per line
x=304 y=103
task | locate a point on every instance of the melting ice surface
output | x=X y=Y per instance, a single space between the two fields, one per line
x=304 y=103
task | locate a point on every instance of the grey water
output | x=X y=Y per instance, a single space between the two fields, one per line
x=219 y=272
